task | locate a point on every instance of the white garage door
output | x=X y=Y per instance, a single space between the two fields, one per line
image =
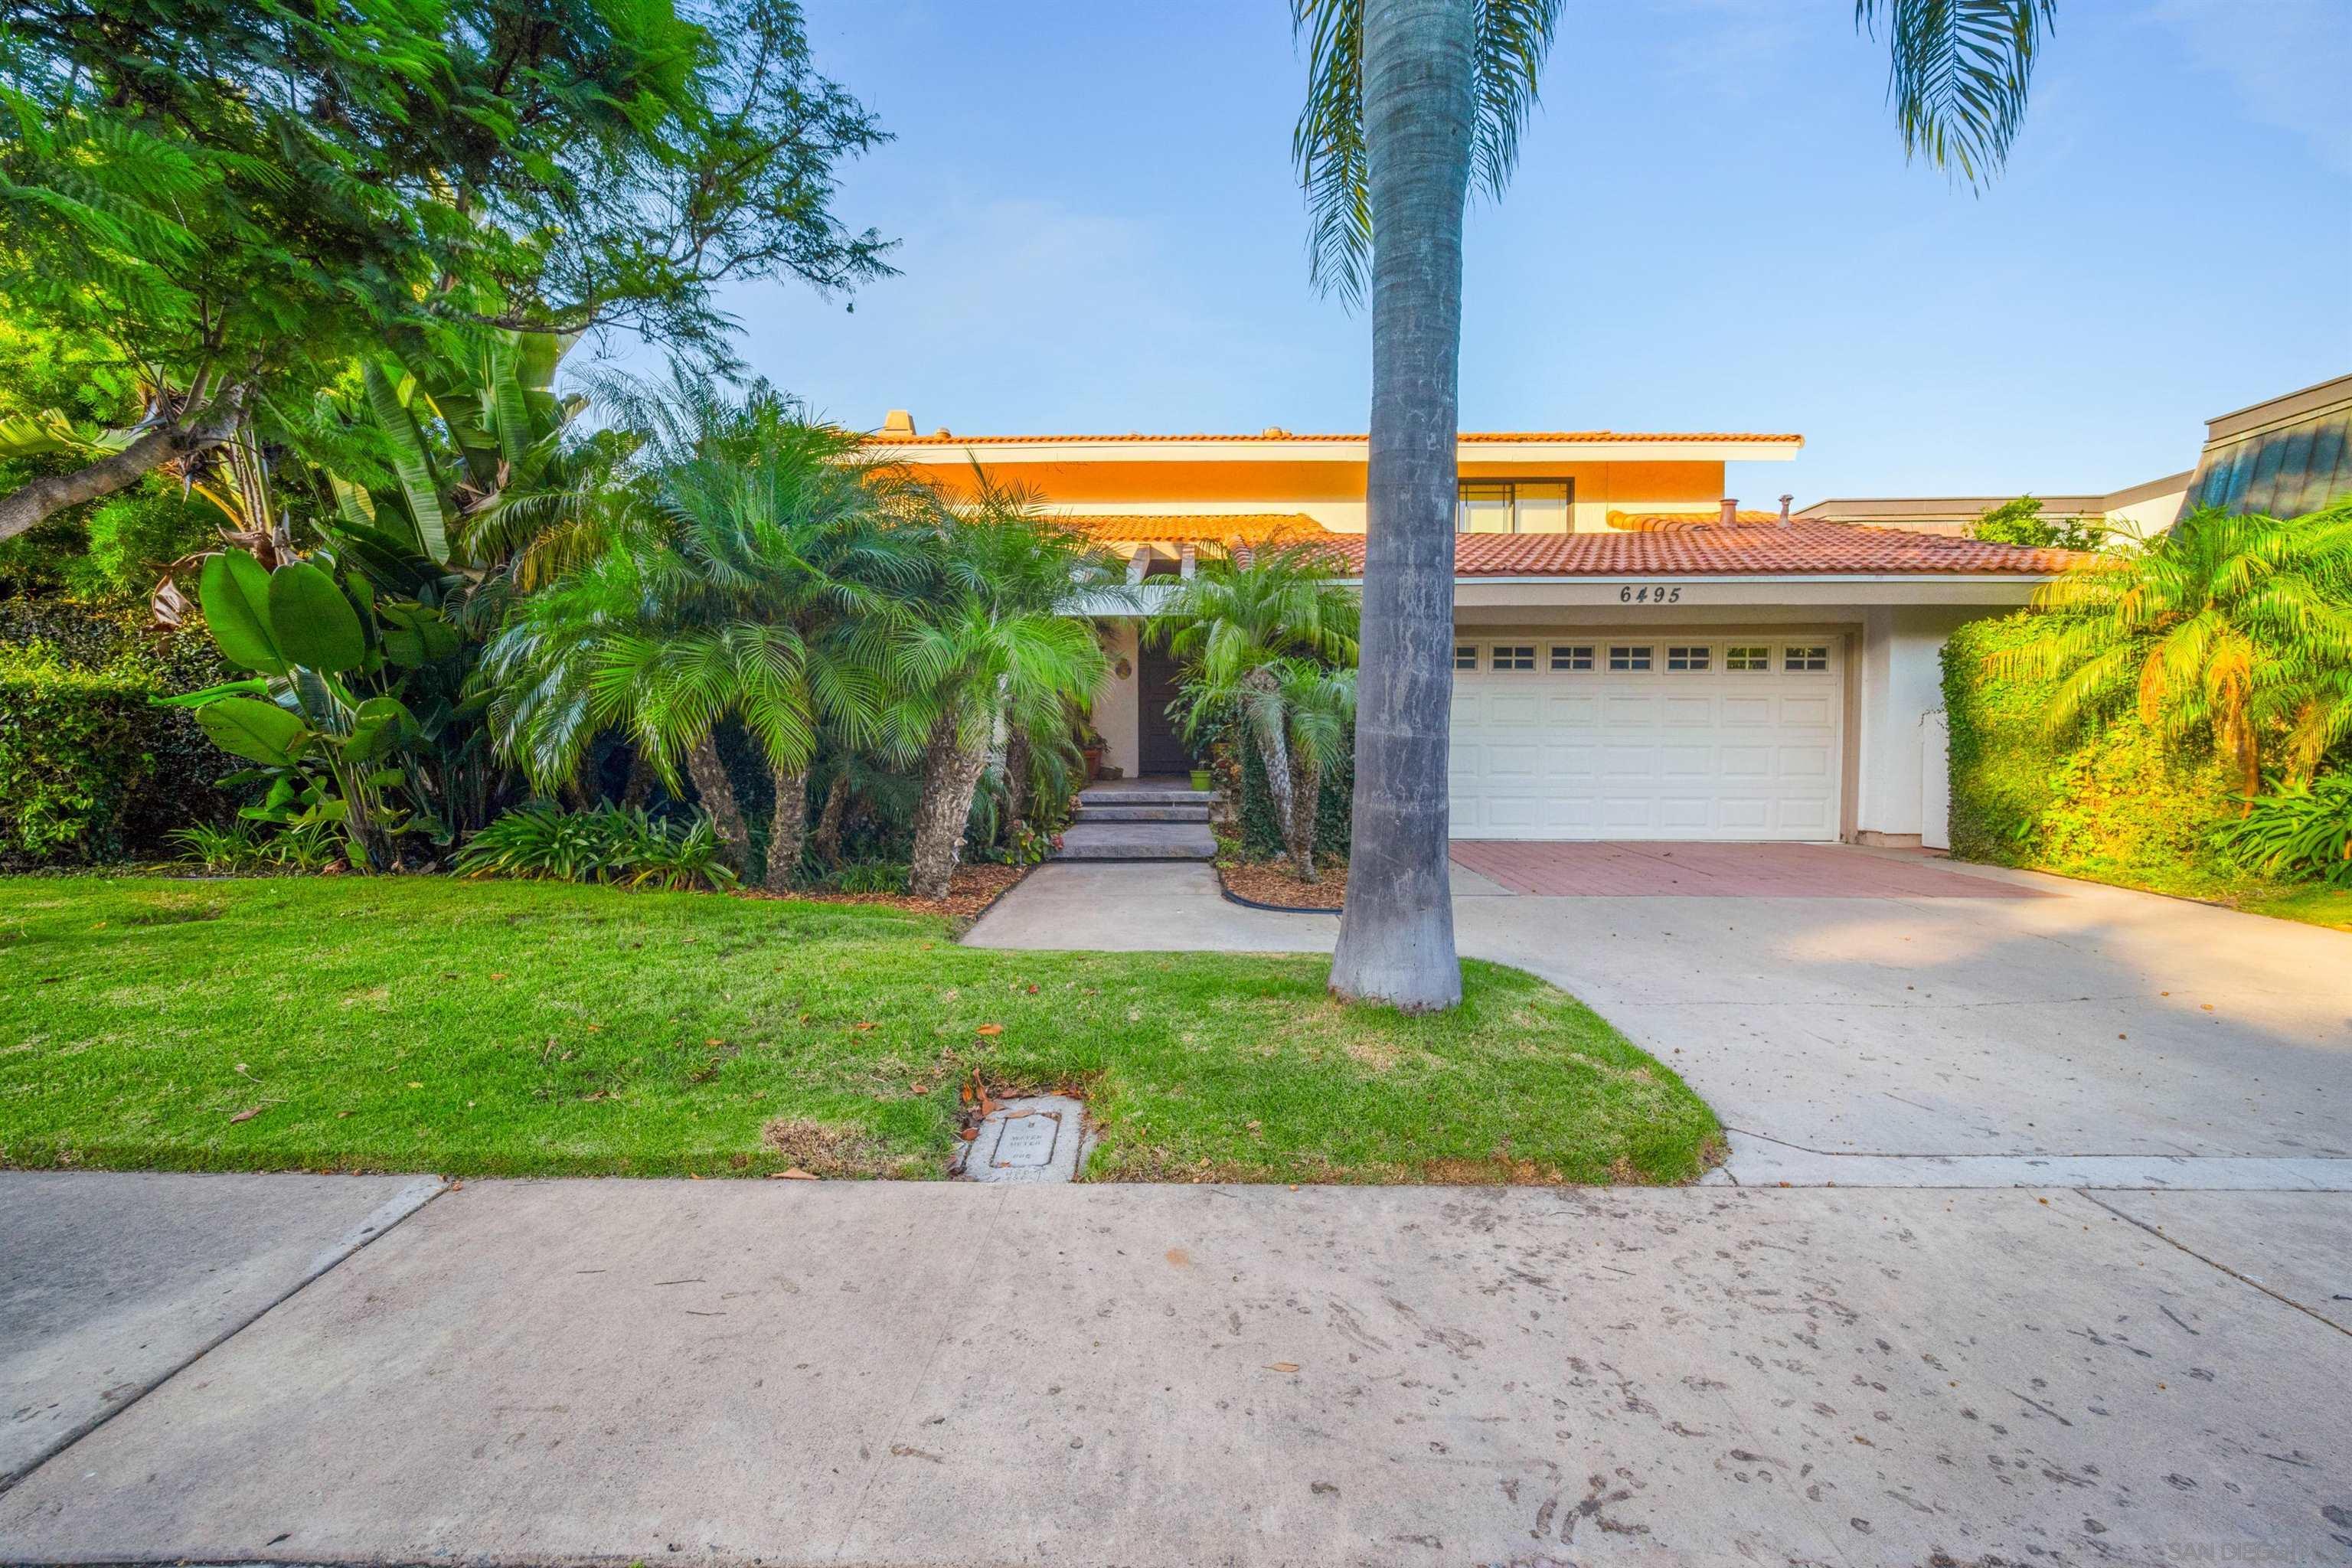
x=1662 y=735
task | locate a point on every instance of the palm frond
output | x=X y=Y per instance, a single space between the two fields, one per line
x=1959 y=74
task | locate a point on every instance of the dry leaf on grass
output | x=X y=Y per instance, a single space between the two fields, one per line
x=248 y=1114
x=989 y=1029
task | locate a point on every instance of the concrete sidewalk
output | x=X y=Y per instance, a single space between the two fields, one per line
x=799 y=1374
x=110 y=1283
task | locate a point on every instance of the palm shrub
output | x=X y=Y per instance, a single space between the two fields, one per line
x=759 y=587
x=2231 y=630
x=2300 y=831
x=1265 y=638
x=998 y=644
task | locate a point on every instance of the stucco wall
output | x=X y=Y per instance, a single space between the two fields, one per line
x=1333 y=493
x=1901 y=682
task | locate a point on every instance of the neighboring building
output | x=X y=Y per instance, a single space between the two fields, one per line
x=1635 y=658
x=2286 y=456
x=2139 y=512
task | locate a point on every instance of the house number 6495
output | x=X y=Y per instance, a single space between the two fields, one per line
x=1651 y=594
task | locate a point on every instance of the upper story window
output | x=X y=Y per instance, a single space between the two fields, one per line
x=1513 y=506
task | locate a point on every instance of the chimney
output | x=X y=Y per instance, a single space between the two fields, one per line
x=1784 y=510
x=898 y=423
x=1730 y=511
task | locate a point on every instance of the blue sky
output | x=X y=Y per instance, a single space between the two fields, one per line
x=1713 y=227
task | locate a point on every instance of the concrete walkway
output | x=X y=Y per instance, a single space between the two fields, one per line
x=790 y=1373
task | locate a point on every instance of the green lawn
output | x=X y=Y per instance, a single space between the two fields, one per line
x=418 y=1024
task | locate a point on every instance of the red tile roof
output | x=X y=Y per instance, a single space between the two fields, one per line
x=1638 y=544
x=1659 y=522
x=1224 y=528
x=1802 y=549
x=1469 y=437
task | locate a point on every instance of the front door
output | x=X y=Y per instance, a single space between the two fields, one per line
x=1160 y=745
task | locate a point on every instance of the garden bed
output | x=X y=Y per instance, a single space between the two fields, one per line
x=1272 y=885
x=544 y=1028
x=970 y=890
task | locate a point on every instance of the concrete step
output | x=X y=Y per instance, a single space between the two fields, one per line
x=1137 y=841
x=1126 y=812
x=1138 y=794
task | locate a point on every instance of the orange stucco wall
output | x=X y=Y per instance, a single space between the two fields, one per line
x=1331 y=493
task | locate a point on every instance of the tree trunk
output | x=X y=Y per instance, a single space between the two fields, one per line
x=637 y=790
x=1273 y=748
x=709 y=771
x=787 y=831
x=1016 y=786
x=36 y=501
x=1396 y=937
x=951 y=768
x=1298 y=828
x=829 y=820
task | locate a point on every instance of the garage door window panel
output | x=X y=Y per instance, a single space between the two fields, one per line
x=1624 y=658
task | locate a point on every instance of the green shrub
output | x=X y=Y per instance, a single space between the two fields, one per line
x=1333 y=808
x=609 y=844
x=89 y=772
x=2109 y=802
x=74 y=751
x=868 y=877
x=2302 y=833
x=243 y=847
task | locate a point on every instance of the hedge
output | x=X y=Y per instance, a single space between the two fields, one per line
x=90 y=771
x=2110 y=802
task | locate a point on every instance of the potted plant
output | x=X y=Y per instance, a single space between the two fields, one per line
x=1204 y=780
x=1090 y=746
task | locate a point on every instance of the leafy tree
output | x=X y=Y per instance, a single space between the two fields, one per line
x=1255 y=631
x=998 y=644
x=1409 y=104
x=2019 y=522
x=2229 y=629
x=236 y=199
x=759 y=588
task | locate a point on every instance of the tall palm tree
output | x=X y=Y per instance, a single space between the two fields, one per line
x=1251 y=629
x=1000 y=644
x=1409 y=103
x=762 y=587
x=2228 y=627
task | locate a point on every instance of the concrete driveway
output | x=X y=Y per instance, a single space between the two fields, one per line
x=2080 y=1034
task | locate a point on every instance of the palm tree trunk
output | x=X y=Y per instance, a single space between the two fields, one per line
x=637 y=790
x=1272 y=750
x=787 y=830
x=829 y=820
x=709 y=771
x=1298 y=828
x=1396 y=938
x=951 y=769
x=1016 y=786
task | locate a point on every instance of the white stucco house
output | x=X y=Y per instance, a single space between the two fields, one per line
x=1635 y=658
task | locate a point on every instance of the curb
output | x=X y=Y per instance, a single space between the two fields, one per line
x=1233 y=898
